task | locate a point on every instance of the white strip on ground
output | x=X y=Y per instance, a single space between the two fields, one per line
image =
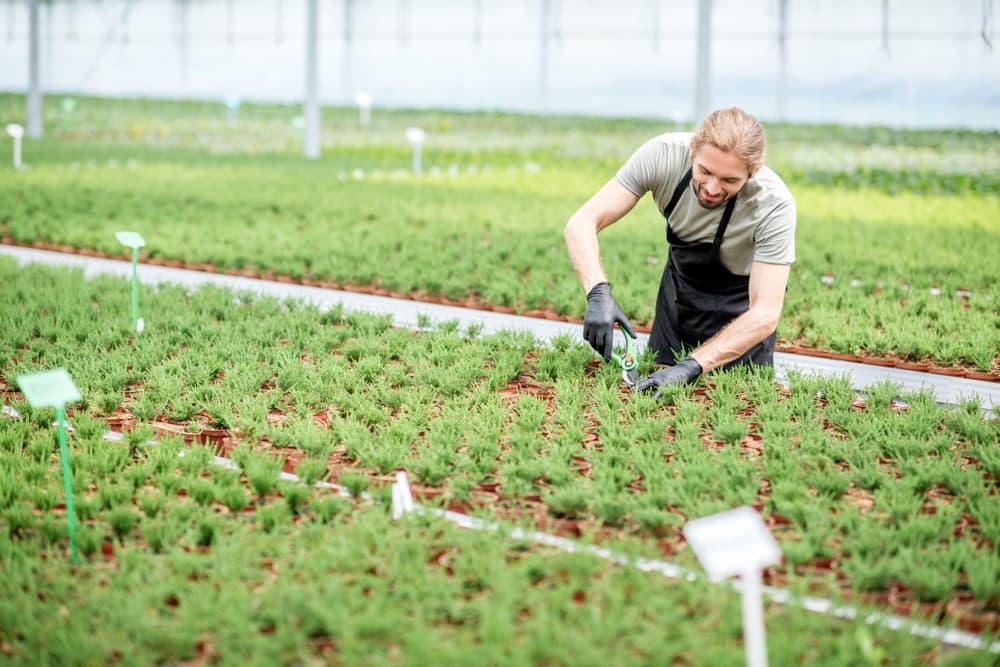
x=944 y=635
x=406 y=313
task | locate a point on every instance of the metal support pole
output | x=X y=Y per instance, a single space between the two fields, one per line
x=654 y=22
x=312 y=81
x=477 y=24
x=183 y=35
x=348 y=50
x=703 y=74
x=986 y=32
x=34 y=73
x=544 y=47
x=885 y=25
x=278 y=20
x=782 y=59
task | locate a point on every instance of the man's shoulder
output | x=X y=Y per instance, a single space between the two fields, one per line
x=671 y=141
x=768 y=191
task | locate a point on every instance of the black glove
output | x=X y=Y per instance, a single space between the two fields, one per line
x=684 y=372
x=599 y=320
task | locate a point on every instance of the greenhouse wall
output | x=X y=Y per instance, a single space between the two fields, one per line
x=916 y=64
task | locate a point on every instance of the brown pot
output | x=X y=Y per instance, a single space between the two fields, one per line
x=845 y=356
x=919 y=366
x=120 y=423
x=880 y=361
x=983 y=376
x=951 y=372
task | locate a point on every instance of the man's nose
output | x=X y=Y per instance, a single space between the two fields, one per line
x=713 y=186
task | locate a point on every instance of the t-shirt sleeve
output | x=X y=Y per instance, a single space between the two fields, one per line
x=774 y=240
x=642 y=171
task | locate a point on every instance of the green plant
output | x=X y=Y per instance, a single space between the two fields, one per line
x=355 y=484
x=122 y=520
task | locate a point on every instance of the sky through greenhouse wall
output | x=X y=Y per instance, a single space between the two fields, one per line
x=915 y=64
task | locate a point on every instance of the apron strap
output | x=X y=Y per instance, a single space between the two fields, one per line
x=678 y=191
x=728 y=213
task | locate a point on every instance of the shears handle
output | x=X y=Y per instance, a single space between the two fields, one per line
x=630 y=360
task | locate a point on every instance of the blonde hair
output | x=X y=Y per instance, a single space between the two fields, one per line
x=735 y=131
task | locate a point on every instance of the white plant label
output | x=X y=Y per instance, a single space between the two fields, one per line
x=402 y=499
x=140 y=325
x=732 y=542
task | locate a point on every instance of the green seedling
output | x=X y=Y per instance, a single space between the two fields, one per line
x=134 y=241
x=54 y=389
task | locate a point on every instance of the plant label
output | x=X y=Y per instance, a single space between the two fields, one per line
x=732 y=542
x=130 y=239
x=140 y=325
x=49 y=389
x=402 y=499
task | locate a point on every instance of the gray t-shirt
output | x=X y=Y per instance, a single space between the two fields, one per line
x=762 y=227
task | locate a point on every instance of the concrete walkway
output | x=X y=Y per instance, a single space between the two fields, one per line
x=406 y=313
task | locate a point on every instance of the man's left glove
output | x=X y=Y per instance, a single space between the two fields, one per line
x=684 y=372
x=599 y=320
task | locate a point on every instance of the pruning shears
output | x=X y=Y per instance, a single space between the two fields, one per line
x=629 y=361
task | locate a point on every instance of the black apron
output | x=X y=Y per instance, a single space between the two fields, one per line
x=699 y=295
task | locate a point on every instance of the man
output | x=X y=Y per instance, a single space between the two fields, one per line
x=731 y=234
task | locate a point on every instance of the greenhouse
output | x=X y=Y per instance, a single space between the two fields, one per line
x=308 y=355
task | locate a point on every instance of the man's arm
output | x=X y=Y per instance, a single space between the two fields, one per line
x=767 y=295
x=605 y=208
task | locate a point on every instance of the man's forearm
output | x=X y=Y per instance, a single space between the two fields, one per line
x=735 y=339
x=584 y=252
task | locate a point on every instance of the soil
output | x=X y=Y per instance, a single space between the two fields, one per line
x=890 y=359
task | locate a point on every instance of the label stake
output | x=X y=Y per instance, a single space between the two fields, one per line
x=135 y=241
x=737 y=542
x=54 y=389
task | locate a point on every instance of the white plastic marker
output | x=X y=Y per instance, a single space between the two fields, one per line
x=364 y=102
x=54 y=389
x=68 y=106
x=417 y=137
x=738 y=543
x=135 y=241
x=402 y=499
x=16 y=131
x=232 y=103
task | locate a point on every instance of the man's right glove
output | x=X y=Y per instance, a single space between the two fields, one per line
x=684 y=372
x=599 y=320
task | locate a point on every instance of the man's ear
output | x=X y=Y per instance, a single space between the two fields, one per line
x=754 y=172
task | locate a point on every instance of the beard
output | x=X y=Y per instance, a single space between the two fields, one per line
x=700 y=194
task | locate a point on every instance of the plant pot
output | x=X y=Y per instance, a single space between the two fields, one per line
x=213 y=436
x=918 y=366
x=983 y=376
x=845 y=356
x=120 y=423
x=879 y=361
x=950 y=372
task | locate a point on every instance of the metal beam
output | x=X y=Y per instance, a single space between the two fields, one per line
x=34 y=72
x=311 y=110
x=782 y=59
x=545 y=46
x=703 y=68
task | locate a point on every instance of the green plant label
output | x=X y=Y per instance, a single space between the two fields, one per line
x=732 y=542
x=49 y=389
x=130 y=239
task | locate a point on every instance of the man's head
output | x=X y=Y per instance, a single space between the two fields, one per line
x=727 y=150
